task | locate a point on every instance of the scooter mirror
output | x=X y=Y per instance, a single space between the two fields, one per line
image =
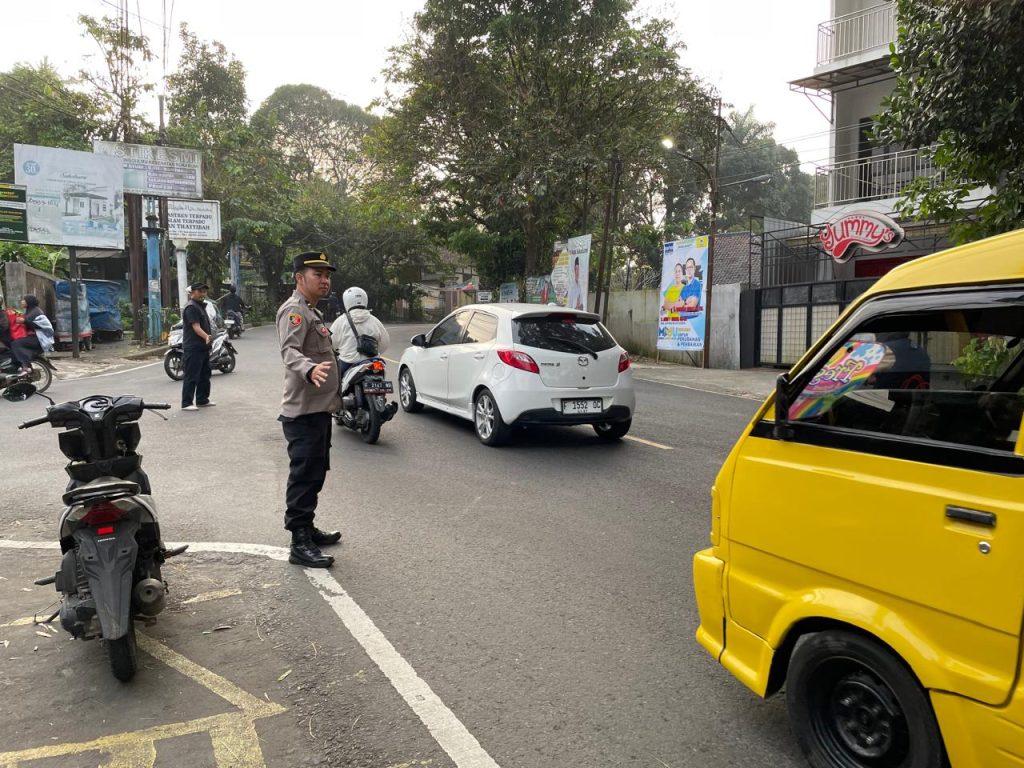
x=19 y=392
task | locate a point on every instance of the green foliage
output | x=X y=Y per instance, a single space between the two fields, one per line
x=321 y=136
x=207 y=91
x=983 y=359
x=749 y=150
x=118 y=87
x=959 y=87
x=37 y=107
x=508 y=115
x=51 y=260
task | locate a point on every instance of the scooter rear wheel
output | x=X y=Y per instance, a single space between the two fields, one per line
x=371 y=430
x=123 y=654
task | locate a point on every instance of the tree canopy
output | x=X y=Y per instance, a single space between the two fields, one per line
x=960 y=91
x=511 y=112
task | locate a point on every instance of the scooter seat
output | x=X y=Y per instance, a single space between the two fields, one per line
x=99 y=490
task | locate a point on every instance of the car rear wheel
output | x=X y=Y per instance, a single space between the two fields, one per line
x=407 y=392
x=853 y=704
x=490 y=427
x=613 y=430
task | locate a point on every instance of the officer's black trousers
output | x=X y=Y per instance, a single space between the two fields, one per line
x=196 y=382
x=309 y=458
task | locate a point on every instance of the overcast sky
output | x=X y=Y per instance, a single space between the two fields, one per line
x=749 y=49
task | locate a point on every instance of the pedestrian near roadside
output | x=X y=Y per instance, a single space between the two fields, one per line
x=195 y=347
x=310 y=397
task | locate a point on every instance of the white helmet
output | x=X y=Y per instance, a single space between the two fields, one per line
x=353 y=298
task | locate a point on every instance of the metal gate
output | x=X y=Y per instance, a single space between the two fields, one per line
x=792 y=317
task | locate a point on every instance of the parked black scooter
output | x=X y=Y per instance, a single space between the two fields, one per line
x=109 y=534
x=364 y=405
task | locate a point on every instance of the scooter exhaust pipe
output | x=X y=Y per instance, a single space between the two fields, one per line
x=149 y=597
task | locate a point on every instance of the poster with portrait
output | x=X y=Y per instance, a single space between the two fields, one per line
x=73 y=198
x=570 y=270
x=683 y=297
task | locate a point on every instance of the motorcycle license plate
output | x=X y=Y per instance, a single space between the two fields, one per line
x=581 y=405
x=378 y=388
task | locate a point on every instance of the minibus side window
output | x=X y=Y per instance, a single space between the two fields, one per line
x=949 y=375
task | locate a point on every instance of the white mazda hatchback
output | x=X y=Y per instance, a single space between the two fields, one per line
x=508 y=365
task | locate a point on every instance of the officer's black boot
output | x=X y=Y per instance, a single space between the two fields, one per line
x=325 y=538
x=304 y=552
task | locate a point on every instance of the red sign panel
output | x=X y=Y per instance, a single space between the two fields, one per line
x=870 y=230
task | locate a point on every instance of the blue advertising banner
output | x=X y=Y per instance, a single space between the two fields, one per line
x=681 y=316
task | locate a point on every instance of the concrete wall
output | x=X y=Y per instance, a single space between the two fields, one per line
x=20 y=279
x=633 y=321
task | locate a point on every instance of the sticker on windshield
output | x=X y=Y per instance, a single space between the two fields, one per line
x=850 y=368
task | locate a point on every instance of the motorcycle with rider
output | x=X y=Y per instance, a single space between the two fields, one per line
x=359 y=339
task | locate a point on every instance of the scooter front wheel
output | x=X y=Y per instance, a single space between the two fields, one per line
x=123 y=654
x=174 y=365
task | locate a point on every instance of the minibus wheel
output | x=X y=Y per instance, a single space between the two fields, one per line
x=854 y=704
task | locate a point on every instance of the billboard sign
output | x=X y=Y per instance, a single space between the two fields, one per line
x=194 y=220
x=73 y=198
x=508 y=293
x=13 y=214
x=157 y=171
x=570 y=271
x=681 y=316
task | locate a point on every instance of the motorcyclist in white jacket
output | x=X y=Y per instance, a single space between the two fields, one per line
x=354 y=301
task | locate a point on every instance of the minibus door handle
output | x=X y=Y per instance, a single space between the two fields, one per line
x=976 y=516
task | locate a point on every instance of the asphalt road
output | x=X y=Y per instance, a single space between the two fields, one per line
x=539 y=595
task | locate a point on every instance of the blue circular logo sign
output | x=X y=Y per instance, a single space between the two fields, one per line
x=31 y=167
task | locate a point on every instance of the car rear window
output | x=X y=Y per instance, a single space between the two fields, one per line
x=562 y=333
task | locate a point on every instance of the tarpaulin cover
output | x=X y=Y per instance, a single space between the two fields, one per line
x=62 y=324
x=104 y=312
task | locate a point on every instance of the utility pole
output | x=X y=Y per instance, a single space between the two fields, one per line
x=710 y=282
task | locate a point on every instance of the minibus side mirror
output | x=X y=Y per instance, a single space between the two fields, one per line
x=782 y=429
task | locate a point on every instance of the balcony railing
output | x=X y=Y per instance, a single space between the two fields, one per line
x=873 y=178
x=856 y=32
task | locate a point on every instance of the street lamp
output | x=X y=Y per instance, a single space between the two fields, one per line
x=669 y=144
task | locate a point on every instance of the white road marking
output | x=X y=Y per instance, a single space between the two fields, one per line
x=114 y=373
x=699 y=389
x=454 y=738
x=648 y=442
x=449 y=732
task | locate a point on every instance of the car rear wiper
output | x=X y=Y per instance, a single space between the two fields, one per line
x=571 y=343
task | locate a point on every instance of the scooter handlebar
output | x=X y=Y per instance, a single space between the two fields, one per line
x=34 y=422
x=157 y=406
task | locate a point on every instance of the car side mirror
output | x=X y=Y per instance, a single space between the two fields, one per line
x=419 y=340
x=17 y=393
x=782 y=429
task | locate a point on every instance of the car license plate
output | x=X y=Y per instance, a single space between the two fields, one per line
x=378 y=388
x=589 y=405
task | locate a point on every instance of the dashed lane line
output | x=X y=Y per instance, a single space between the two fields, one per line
x=448 y=731
x=648 y=442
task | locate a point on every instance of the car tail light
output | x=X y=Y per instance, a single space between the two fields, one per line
x=519 y=360
x=102 y=513
x=623 y=362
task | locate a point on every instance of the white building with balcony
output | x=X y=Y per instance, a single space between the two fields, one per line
x=853 y=76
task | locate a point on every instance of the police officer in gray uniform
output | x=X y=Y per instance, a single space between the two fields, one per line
x=310 y=397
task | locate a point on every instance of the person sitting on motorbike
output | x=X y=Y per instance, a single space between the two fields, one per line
x=232 y=302
x=346 y=342
x=39 y=338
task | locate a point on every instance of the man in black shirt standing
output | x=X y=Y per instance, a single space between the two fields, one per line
x=195 y=347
